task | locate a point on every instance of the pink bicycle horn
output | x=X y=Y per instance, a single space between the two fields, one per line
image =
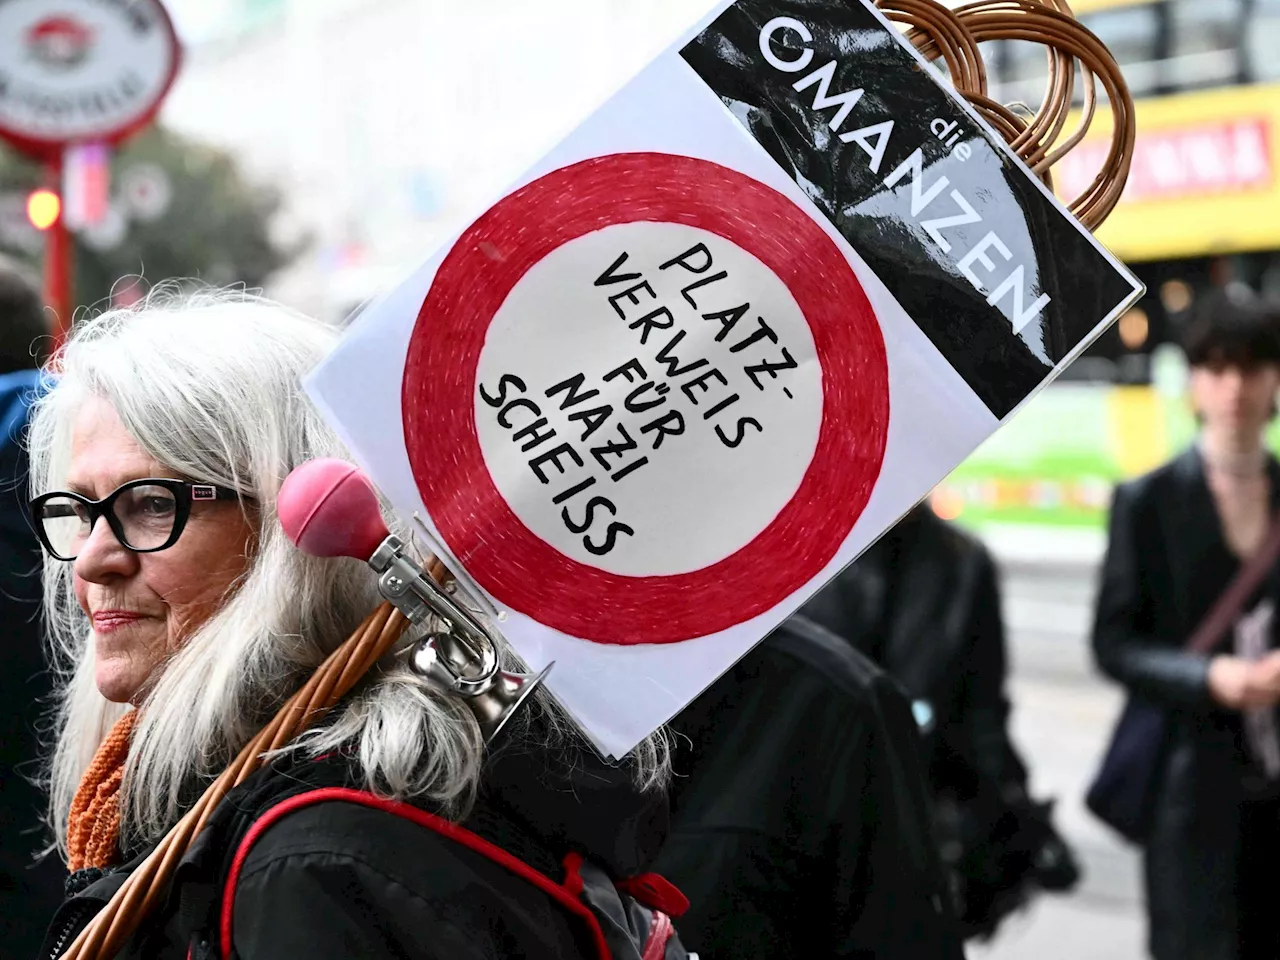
x=328 y=508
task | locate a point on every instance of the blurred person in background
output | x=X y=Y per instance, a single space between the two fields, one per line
x=1178 y=536
x=924 y=603
x=800 y=820
x=29 y=890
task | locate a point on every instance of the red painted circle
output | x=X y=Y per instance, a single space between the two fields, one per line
x=523 y=571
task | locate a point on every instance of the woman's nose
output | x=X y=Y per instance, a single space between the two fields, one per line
x=102 y=556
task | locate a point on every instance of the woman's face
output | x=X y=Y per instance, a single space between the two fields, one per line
x=144 y=606
x=1236 y=399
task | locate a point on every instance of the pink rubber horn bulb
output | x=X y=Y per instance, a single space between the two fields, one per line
x=328 y=509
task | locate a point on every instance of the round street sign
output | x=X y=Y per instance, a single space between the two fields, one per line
x=646 y=399
x=82 y=70
x=146 y=189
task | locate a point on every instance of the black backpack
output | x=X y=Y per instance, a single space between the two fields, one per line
x=626 y=920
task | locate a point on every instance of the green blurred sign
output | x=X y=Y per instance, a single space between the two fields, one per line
x=1056 y=462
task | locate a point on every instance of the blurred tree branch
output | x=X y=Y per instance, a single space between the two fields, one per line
x=216 y=227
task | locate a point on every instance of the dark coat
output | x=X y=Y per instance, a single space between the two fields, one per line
x=1165 y=566
x=924 y=603
x=29 y=891
x=342 y=880
x=799 y=817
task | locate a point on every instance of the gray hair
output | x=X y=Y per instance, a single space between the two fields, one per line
x=209 y=385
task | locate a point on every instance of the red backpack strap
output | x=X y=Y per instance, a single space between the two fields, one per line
x=656 y=892
x=660 y=931
x=665 y=900
x=562 y=894
x=661 y=928
x=659 y=895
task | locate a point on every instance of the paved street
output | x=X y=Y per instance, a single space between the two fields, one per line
x=1062 y=716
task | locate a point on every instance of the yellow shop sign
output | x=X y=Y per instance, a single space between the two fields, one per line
x=1203 y=180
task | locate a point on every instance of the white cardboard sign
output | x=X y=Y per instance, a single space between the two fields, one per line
x=711 y=346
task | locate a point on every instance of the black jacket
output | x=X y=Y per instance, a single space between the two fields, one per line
x=29 y=891
x=924 y=603
x=341 y=880
x=799 y=818
x=1165 y=566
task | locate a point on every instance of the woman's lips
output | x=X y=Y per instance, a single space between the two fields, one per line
x=104 y=621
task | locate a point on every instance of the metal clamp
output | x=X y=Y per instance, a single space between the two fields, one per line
x=462 y=659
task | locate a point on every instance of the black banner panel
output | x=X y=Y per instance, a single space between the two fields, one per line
x=1002 y=281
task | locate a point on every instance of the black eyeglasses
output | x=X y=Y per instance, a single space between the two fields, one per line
x=145 y=515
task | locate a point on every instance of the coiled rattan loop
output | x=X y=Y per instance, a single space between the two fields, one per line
x=952 y=36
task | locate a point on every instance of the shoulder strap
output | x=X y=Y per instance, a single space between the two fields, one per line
x=564 y=894
x=1232 y=600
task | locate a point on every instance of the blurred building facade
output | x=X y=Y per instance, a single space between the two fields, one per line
x=1202 y=206
x=1201 y=210
x=387 y=121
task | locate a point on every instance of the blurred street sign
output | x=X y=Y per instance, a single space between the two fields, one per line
x=146 y=191
x=81 y=70
x=86 y=182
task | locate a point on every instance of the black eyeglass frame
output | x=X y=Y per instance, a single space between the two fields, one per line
x=185 y=492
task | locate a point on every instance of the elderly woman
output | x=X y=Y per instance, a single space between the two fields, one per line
x=182 y=618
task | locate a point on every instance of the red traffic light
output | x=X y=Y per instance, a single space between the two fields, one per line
x=43 y=208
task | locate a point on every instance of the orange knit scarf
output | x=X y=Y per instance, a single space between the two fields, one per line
x=94 y=825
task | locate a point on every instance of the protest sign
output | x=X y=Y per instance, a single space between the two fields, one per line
x=711 y=346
